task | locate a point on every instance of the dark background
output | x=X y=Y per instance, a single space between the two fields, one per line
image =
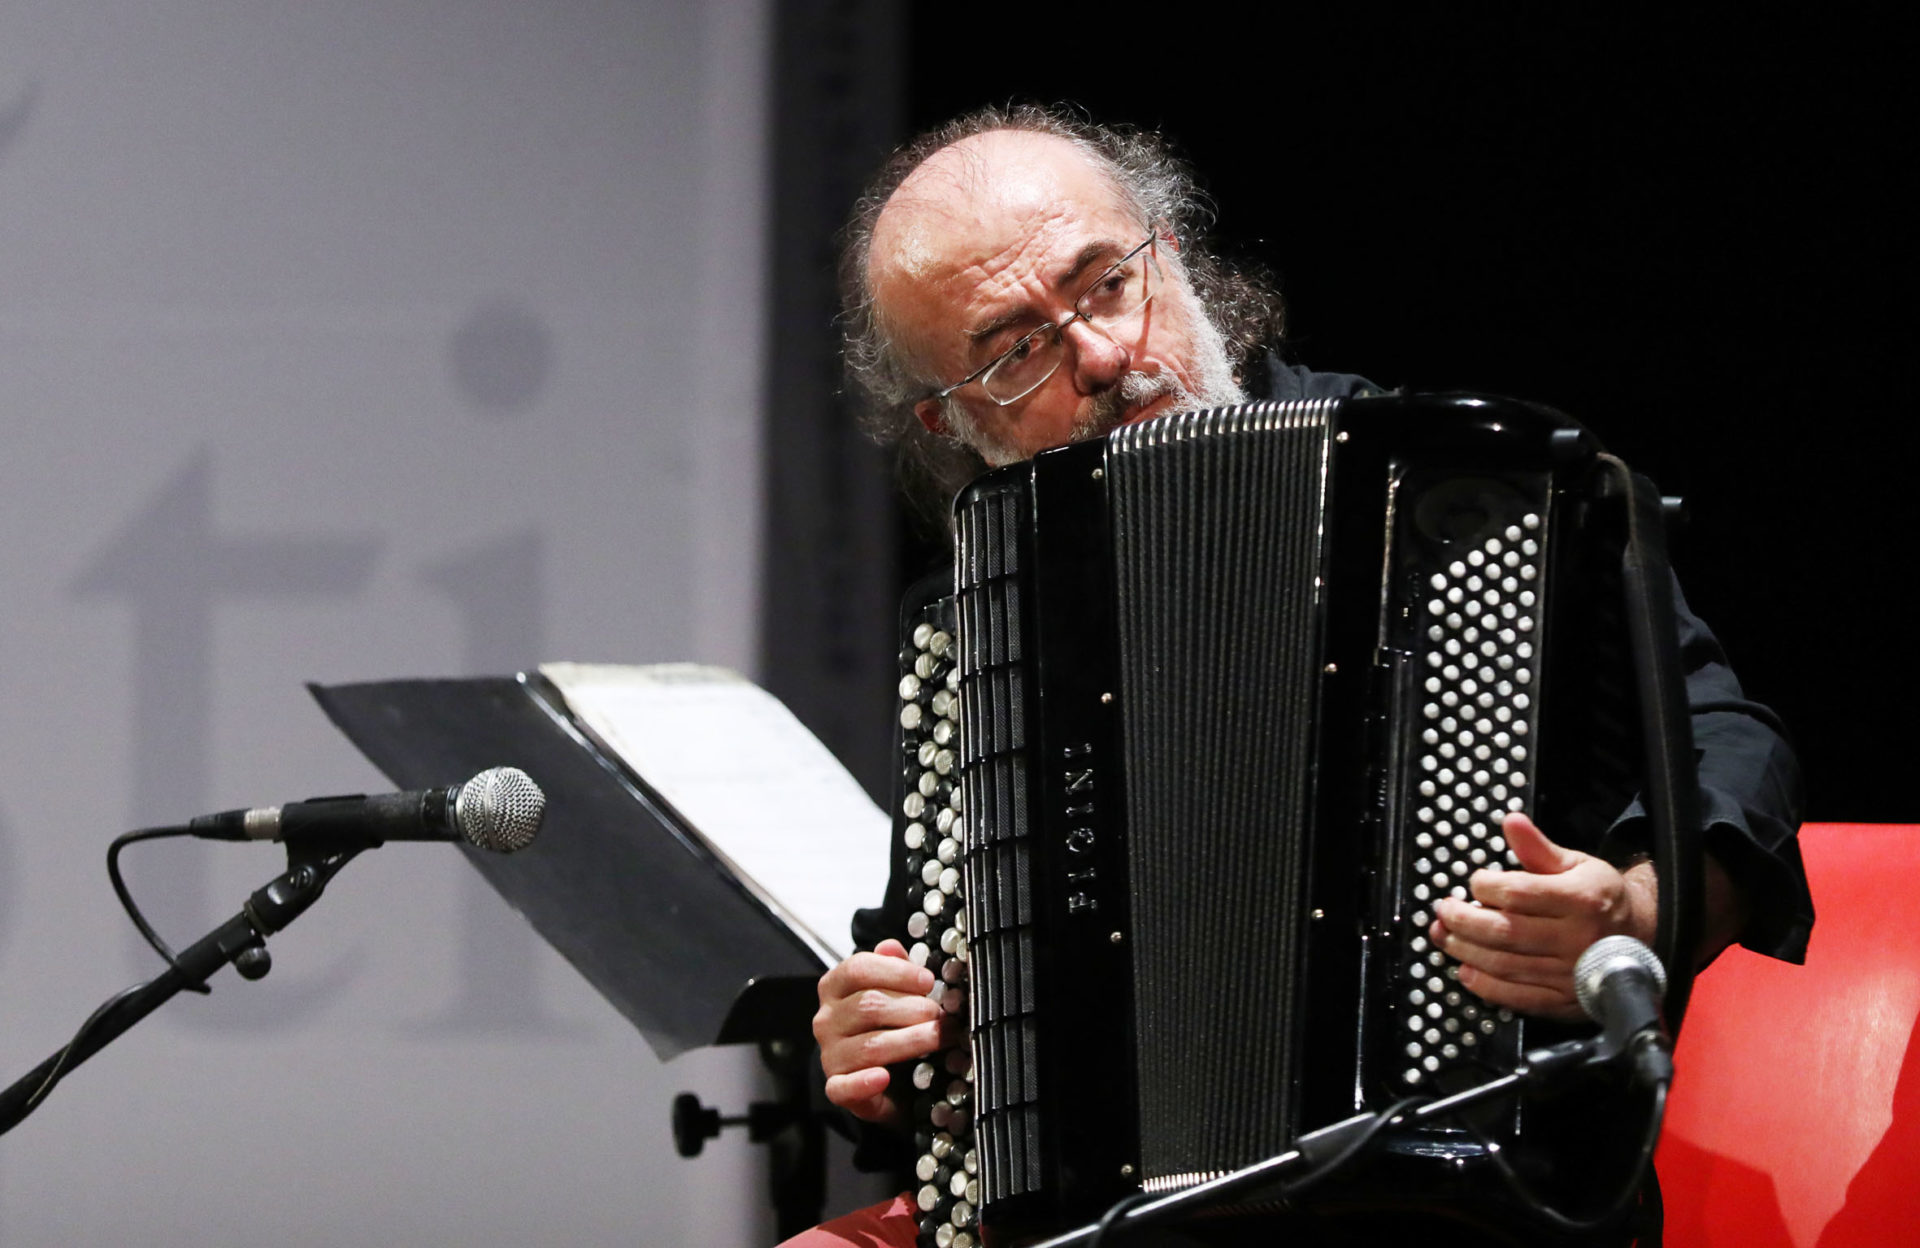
x=1689 y=231
x=1684 y=231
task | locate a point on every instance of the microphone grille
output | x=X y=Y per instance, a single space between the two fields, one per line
x=500 y=809
x=1605 y=956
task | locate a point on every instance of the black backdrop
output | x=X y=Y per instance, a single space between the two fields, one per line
x=1684 y=230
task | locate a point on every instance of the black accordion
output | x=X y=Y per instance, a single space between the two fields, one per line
x=1212 y=711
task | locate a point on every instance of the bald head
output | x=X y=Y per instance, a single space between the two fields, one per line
x=967 y=210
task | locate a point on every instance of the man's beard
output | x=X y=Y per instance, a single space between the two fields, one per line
x=1213 y=369
x=1107 y=411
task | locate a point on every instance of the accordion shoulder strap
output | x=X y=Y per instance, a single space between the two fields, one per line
x=1671 y=792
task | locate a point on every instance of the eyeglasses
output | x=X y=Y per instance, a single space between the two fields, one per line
x=1111 y=298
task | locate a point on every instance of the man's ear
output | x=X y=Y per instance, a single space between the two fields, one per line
x=1170 y=241
x=928 y=410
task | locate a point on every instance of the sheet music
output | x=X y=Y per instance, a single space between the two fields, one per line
x=761 y=789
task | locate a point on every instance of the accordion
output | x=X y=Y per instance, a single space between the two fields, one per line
x=1210 y=714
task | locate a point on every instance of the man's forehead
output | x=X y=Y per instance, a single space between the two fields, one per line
x=983 y=195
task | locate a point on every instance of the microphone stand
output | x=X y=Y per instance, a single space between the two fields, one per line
x=241 y=940
x=1331 y=1143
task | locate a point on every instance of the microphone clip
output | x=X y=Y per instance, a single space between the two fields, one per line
x=1620 y=984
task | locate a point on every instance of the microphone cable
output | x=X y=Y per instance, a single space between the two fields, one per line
x=1617 y=1208
x=121 y=891
x=153 y=937
x=60 y=1064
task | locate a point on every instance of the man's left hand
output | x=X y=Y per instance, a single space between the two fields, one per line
x=1518 y=946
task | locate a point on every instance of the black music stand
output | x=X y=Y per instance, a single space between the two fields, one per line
x=623 y=887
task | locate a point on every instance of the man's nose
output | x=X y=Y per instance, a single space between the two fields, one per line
x=1099 y=360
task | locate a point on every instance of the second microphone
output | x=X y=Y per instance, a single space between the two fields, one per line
x=500 y=810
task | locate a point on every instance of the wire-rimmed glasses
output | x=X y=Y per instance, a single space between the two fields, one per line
x=1118 y=293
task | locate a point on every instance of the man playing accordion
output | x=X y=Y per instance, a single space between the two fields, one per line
x=1021 y=279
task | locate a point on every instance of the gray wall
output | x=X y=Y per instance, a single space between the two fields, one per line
x=341 y=340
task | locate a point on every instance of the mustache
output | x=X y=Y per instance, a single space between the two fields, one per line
x=1107 y=411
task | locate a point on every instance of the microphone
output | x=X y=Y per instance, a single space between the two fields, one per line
x=500 y=810
x=1619 y=983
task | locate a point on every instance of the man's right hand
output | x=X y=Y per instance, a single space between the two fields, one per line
x=874 y=1011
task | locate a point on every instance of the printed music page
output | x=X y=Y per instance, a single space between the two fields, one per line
x=763 y=792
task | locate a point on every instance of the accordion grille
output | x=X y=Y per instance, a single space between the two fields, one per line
x=998 y=863
x=1217 y=523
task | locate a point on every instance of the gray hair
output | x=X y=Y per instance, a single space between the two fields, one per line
x=1158 y=185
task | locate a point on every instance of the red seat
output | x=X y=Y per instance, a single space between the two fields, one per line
x=1795 y=1117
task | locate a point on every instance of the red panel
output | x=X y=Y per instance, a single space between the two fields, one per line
x=1795 y=1117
